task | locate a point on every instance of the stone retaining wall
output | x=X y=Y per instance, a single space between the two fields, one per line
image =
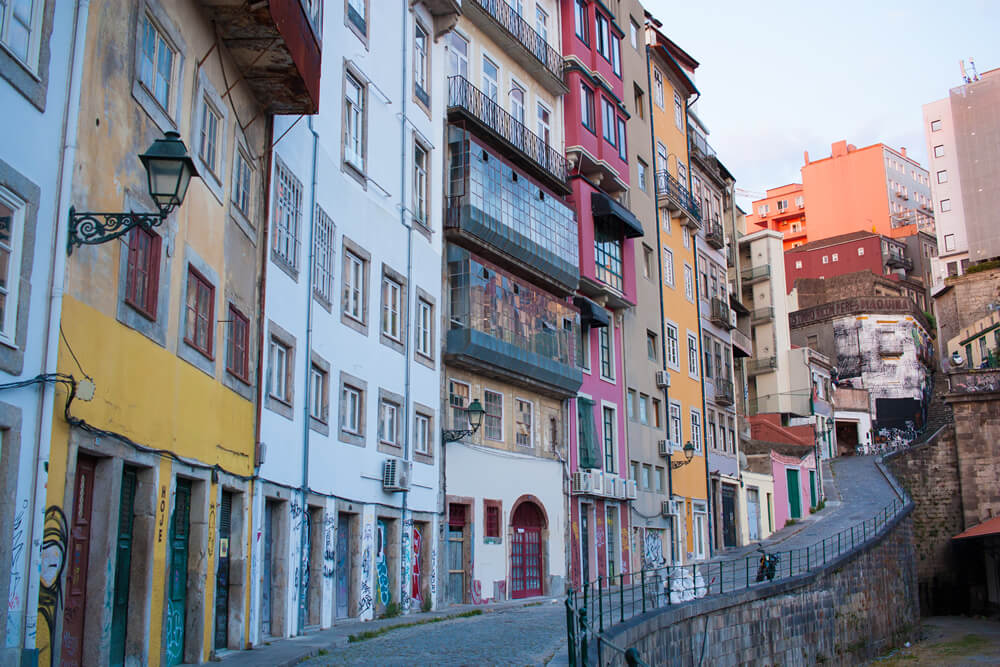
x=855 y=608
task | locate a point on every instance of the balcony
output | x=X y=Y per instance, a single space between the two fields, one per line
x=790 y=234
x=277 y=47
x=742 y=345
x=761 y=315
x=724 y=394
x=677 y=198
x=714 y=235
x=731 y=255
x=758 y=366
x=895 y=261
x=755 y=274
x=512 y=138
x=519 y=41
x=720 y=314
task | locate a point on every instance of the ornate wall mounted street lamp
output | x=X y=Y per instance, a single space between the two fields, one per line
x=688 y=455
x=168 y=171
x=475 y=411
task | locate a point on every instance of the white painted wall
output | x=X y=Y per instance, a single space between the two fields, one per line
x=947 y=223
x=863 y=420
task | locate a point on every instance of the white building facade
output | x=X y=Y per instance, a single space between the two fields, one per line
x=39 y=93
x=349 y=498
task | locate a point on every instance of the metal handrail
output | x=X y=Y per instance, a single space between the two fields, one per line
x=508 y=18
x=714 y=235
x=462 y=94
x=700 y=144
x=754 y=272
x=762 y=314
x=670 y=187
x=617 y=598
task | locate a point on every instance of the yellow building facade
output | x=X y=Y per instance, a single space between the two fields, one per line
x=678 y=222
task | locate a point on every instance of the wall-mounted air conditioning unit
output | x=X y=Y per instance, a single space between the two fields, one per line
x=621 y=492
x=631 y=489
x=665 y=507
x=732 y=318
x=580 y=483
x=663 y=448
x=597 y=482
x=395 y=475
x=610 y=486
x=662 y=379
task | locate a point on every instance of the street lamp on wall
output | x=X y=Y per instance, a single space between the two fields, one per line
x=168 y=173
x=688 y=455
x=475 y=413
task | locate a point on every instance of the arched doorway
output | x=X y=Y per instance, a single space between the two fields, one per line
x=527 y=523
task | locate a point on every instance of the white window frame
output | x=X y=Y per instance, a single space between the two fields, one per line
x=699 y=518
x=287 y=216
x=945 y=205
x=518 y=422
x=641 y=174
x=675 y=424
x=353 y=402
x=544 y=127
x=33 y=27
x=939 y=150
x=834 y=257
x=166 y=107
x=668 y=267
x=354 y=287
x=696 y=432
x=388 y=422
x=420 y=183
x=278 y=370
x=643 y=409
x=487 y=435
x=672 y=346
x=678 y=112
x=633 y=34
x=318 y=379
x=421 y=433
x=425 y=327
x=798 y=264
x=421 y=61
x=392 y=311
x=209 y=138
x=355 y=109
x=693 y=354
x=18 y=209
x=942 y=176
x=243 y=175
x=323 y=256
x=658 y=88
x=688 y=282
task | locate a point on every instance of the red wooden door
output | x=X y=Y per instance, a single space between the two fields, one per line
x=526 y=551
x=79 y=555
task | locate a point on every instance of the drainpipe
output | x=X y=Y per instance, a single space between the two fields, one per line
x=304 y=532
x=57 y=278
x=410 y=311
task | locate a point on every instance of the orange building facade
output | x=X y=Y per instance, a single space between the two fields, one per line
x=783 y=210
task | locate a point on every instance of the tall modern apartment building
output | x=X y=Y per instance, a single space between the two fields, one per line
x=963 y=134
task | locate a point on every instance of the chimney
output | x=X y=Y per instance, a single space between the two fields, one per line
x=805 y=154
x=838 y=149
x=851 y=148
x=902 y=150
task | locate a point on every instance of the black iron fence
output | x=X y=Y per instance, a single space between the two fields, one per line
x=606 y=602
x=669 y=187
x=464 y=95
x=508 y=18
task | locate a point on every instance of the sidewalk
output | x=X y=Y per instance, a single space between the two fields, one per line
x=288 y=652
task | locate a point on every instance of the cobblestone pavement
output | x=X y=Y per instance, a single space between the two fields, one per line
x=514 y=636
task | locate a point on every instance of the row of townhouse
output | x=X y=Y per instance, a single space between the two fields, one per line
x=464 y=332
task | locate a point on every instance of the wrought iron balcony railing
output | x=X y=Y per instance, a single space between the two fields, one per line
x=724 y=391
x=899 y=262
x=755 y=273
x=719 y=313
x=463 y=95
x=669 y=187
x=700 y=144
x=508 y=18
x=715 y=236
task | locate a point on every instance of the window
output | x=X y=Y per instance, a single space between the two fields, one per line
x=633 y=34
x=493 y=419
x=391 y=303
x=388 y=422
x=242 y=180
x=798 y=264
x=583 y=349
x=676 y=436
x=689 y=283
x=661 y=161
x=633 y=471
x=238 y=344
x=678 y=112
x=278 y=376
x=156 y=62
x=658 y=89
x=208 y=145
x=630 y=398
x=945 y=205
x=935 y=126
x=351 y=409
x=622 y=148
x=686 y=238
x=782 y=205
x=354 y=123
x=696 y=430
x=421 y=65
x=605 y=353
x=647 y=474
x=421 y=433
x=639 y=99
x=608 y=254
x=542 y=23
x=491 y=77
x=142 y=278
x=647 y=261
x=524 y=430
x=641 y=174
x=949 y=242
x=651 y=346
x=355 y=286
x=544 y=123
x=200 y=318
x=643 y=409
x=608 y=433
x=655 y=409
x=800 y=201
x=939 y=151
x=710 y=429
x=603 y=36
x=357 y=17
x=942 y=176
x=318 y=379
x=420 y=184
x=834 y=257
x=616 y=56
x=692 y=355
x=587 y=107
x=826 y=259
x=287 y=217
x=580 y=20
x=458 y=400
x=608 y=120
x=673 y=353
x=491 y=513
x=425 y=323
x=553 y=432
x=323 y=257
x=458 y=55
x=861 y=251
x=706 y=347
x=668 y=267
x=658 y=479
x=517 y=103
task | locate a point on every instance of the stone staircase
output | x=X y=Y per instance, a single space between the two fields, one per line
x=939 y=413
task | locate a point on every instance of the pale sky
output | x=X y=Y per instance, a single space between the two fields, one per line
x=780 y=77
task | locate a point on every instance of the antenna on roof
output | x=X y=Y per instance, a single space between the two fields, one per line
x=972 y=66
x=961 y=66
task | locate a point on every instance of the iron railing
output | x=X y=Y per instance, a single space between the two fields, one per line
x=508 y=18
x=755 y=273
x=599 y=605
x=669 y=187
x=764 y=365
x=719 y=313
x=462 y=94
x=724 y=394
x=700 y=144
x=714 y=235
x=899 y=262
x=758 y=315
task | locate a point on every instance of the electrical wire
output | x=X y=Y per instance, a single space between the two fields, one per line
x=72 y=354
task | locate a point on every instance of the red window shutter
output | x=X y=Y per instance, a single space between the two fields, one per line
x=130 y=271
x=153 y=273
x=492 y=521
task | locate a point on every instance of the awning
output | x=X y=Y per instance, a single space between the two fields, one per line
x=591 y=315
x=605 y=207
x=988 y=527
